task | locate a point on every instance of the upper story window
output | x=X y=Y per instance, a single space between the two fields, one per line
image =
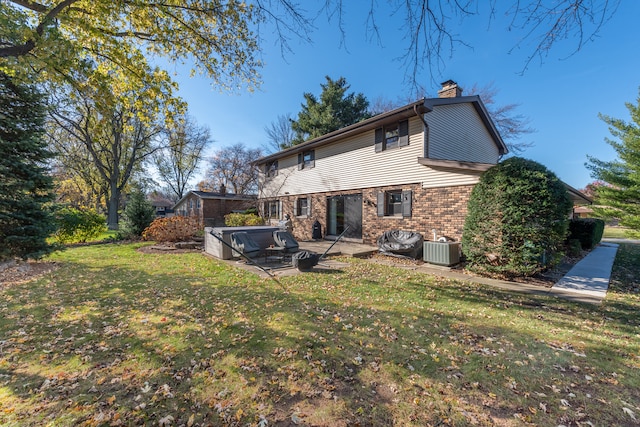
x=306 y=159
x=392 y=136
x=198 y=203
x=271 y=169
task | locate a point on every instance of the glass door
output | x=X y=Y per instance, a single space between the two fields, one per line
x=343 y=211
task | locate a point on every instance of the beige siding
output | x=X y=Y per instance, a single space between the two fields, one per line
x=450 y=178
x=456 y=132
x=353 y=163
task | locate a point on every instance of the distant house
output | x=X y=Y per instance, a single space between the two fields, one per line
x=163 y=207
x=582 y=212
x=211 y=207
x=411 y=169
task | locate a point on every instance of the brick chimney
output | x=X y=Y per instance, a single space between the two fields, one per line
x=450 y=89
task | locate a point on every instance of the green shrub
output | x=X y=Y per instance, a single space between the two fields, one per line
x=138 y=215
x=78 y=225
x=242 y=219
x=517 y=220
x=574 y=247
x=587 y=230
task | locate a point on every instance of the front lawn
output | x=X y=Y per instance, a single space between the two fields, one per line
x=611 y=232
x=117 y=337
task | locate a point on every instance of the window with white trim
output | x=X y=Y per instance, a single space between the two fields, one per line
x=271 y=169
x=303 y=206
x=391 y=136
x=306 y=159
x=395 y=203
x=272 y=209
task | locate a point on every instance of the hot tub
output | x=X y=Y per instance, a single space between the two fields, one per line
x=262 y=235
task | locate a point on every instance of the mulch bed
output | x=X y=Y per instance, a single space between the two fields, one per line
x=167 y=248
x=545 y=279
x=22 y=272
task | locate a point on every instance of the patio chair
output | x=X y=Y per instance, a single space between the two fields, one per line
x=284 y=239
x=243 y=244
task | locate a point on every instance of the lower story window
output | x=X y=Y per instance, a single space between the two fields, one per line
x=394 y=203
x=303 y=207
x=272 y=209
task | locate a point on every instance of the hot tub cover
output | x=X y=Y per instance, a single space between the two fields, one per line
x=401 y=243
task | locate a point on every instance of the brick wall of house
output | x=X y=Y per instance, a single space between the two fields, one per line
x=188 y=206
x=211 y=211
x=443 y=209
x=214 y=210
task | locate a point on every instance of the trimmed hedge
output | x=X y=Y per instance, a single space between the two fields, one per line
x=588 y=231
x=242 y=219
x=517 y=220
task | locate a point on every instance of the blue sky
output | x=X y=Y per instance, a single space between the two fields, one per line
x=561 y=96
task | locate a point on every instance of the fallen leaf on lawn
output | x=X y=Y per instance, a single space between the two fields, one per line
x=111 y=400
x=630 y=413
x=564 y=402
x=191 y=420
x=295 y=418
x=166 y=421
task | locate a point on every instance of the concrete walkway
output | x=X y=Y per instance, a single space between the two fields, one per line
x=591 y=275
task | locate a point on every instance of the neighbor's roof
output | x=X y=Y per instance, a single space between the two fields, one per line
x=578 y=197
x=220 y=196
x=422 y=106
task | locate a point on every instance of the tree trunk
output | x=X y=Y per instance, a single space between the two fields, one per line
x=112 y=209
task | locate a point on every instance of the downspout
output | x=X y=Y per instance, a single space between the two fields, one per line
x=426 y=131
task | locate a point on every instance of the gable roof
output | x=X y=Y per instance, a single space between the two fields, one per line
x=577 y=196
x=218 y=196
x=416 y=108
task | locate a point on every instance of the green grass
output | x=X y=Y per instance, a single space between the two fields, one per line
x=117 y=337
x=615 y=232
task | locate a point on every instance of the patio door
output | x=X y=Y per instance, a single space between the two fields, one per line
x=343 y=211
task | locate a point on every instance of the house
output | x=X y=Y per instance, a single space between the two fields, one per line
x=412 y=169
x=162 y=206
x=210 y=207
x=582 y=212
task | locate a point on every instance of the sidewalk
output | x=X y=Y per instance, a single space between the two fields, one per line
x=589 y=277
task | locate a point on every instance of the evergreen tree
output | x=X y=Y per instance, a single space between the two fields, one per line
x=620 y=196
x=334 y=110
x=25 y=187
x=138 y=215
